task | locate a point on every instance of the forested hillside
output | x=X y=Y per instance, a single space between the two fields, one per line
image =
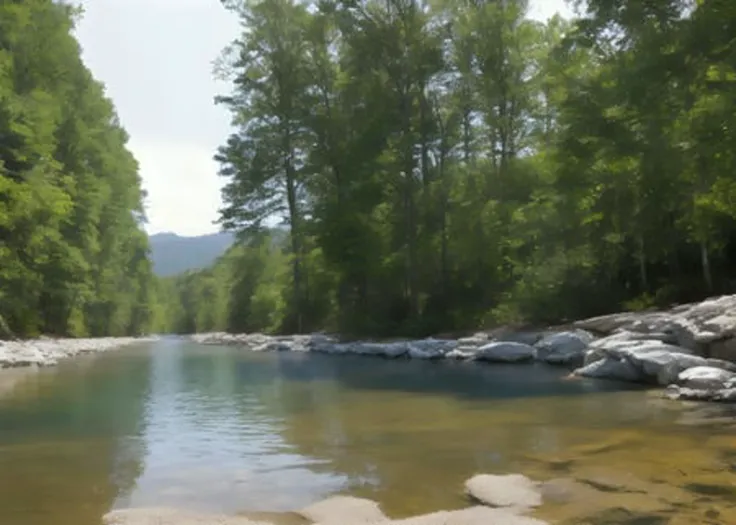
x=73 y=255
x=172 y=254
x=447 y=164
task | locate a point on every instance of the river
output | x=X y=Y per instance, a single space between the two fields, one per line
x=216 y=428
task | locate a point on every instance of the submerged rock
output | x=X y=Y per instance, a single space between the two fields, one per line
x=512 y=491
x=338 y=510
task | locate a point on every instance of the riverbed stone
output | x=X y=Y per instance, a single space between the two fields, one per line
x=505 y=352
x=513 y=491
x=340 y=510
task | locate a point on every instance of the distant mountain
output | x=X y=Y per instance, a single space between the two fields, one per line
x=172 y=254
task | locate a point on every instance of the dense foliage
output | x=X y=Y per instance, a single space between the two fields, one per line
x=445 y=164
x=73 y=256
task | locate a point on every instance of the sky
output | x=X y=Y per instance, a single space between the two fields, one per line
x=155 y=58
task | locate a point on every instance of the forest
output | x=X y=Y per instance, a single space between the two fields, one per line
x=73 y=254
x=447 y=165
x=396 y=167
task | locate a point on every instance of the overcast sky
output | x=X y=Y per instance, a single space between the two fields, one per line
x=155 y=58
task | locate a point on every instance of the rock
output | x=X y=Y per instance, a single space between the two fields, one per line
x=708 y=327
x=704 y=383
x=675 y=392
x=501 y=352
x=609 y=368
x=340 y=510
x=328 y=512
x=526 y=338
x=563 y=348
x=643 y=361
x=472 y=516
x=509 y=491
x=430 y=348
x=462 y=352
x=707 y=378
x=475 y=340
x=47 y=352
x=172 y=517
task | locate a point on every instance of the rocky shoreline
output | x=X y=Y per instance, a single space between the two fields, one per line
x=690 y=349
x=45 y=351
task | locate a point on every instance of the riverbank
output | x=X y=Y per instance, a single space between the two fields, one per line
x=690 y=349
x=45 y=351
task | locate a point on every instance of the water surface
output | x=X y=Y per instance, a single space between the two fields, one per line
x=220 y=429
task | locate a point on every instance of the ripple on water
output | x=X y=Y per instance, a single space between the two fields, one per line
x=223 y=430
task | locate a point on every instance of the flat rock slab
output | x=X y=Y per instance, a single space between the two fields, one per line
x=471 y=516
x=513 y=491
x=341 y=510
x=162 y=516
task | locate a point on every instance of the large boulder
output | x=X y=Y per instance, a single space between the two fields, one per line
x=645 y=361
x=563 y=348
x=704 y=383
x=707 y=328
x=707 y=378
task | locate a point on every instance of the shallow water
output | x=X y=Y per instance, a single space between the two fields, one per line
x=216 y=428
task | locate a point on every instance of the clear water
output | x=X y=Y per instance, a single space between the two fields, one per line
x=221 y=429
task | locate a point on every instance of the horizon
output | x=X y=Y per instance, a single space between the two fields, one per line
x=175 y=127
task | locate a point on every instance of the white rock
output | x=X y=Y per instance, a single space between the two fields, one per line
x=706 y=378
x=564 y=347
x=508 y=490
x=339 y=510
x=505 y=352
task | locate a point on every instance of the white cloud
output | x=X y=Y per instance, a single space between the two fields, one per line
x=182 y=185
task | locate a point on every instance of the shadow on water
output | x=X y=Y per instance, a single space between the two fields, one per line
x=464 y=379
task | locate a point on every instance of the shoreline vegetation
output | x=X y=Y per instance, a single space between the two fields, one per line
x=429 y=178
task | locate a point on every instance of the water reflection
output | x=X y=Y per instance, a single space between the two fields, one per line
x=65 y=441
x=220 y=429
